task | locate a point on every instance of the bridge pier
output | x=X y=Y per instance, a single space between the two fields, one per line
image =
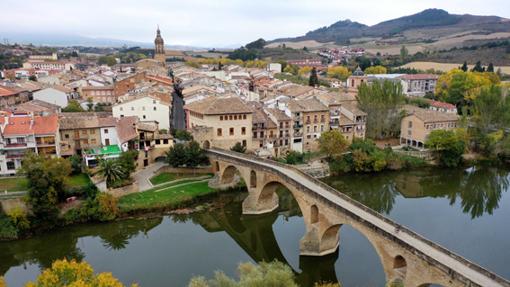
x=254 y=204
x=317 y=243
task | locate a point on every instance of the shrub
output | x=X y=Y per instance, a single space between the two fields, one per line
x=294 y=157
x=107 y=207
x=238 y=147
x=19 y=218
x=8 y=230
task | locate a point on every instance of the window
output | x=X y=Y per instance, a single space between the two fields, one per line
x=221 y=118
x=158 y=142
x=92 y=132
x=322 y=128
x=93 y=141
x=235 y=117
x=66 y=136
x=143 y=108
x=244 y=142
x=154 y=101
x=410 y=124
x=323 y=119
x=281 y=125
x=121 y=109
x=261 y=134
x=11 y=165
x=219 y=132
x=409 y=132
x=85 y=141
x=144 y=117
x=83 y=132
x=132 y=108
x=165 y=141
x=121 y=116
x=105 y=131
x=230 y=117
x=243 y=130
x=314 y=129
x=231 y=132
x=154 y=108
x=244 y=117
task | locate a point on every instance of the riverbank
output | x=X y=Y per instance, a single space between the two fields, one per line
x=179 y=193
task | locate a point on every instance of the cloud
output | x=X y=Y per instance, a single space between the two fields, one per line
x=214 y=23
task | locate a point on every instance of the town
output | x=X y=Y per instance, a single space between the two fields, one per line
x=240 y=141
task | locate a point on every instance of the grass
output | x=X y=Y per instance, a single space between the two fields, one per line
x=169 y=196
x=167 y=176
x=79 y=180
x=12 y=184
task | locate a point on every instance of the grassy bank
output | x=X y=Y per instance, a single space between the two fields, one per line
x=167 y=197
x=12 y=184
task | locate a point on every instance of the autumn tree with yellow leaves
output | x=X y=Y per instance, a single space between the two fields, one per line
x=72 y=273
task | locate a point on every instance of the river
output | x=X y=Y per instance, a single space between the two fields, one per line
x=465 y=210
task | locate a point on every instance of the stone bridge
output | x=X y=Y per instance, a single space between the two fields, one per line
x=405 y=256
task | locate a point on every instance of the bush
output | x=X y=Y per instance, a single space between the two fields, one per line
x=19 y=218
x=238 y=147
x=8 y=230
x=107 y=207
x=294 y=157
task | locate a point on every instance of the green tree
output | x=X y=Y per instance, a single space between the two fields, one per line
x=46 y=180
x=464 y=67
x=238 y=147
x=176 y=155
x=195 y=155
x=490 y=68
x=294 y=157
x=313 y=81
x=382 y=101
x=404 y=53
x=111 y=170
x=76 y=164
x=107 y=60
x=478 y=67
x=258 y=44
x=332 y=143
x=274 y=274
x=447 y=145
x=73 y=107
x=182 y=135
x=128 y=162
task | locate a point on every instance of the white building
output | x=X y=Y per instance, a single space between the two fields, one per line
x=55 y=96
x=146 y=108
x=274 y=67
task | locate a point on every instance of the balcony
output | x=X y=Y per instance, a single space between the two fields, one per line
x=297 y=126
x=15 y=145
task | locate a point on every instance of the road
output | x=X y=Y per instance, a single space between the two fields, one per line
x=419 y=243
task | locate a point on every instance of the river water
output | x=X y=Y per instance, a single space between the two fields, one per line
x=465 y=210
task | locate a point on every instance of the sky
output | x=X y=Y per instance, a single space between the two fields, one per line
x=213 y=23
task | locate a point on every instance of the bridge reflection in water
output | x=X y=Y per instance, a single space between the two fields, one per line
x=255 y=235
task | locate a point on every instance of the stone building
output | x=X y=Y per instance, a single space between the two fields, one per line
x=159 y=47
x=311 y=119
x=230 y=118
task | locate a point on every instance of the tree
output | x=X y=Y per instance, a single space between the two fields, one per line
x=73 y=273
x=73 y=107
x=447 y=145
x=460 y=88
x=314 y=78
x=182 y=135
x=176 y=155
x=107 y=60
x=338 y=72
x=303 y=71
x=382 y=101
x=404 y=53
x=478 y=67
x=128 y=162
x=376 y=70
x=238 y=147
x=464 y=67
x=76 y=164
x=111 y=170
x=291 y=69
x=332 y=143
x=490 y=68
x=47 y=182
x=274 y=274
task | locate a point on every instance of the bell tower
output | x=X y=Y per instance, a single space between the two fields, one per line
x=159 y=47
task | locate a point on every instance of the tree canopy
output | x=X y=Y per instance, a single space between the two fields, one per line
x=333 y=143
x=338 y=72
x=381 y=100
x=376 y=70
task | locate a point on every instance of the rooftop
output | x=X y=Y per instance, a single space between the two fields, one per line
x=430 y=116
x=219 y=106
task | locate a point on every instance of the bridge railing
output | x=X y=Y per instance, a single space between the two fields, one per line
x=402 y=229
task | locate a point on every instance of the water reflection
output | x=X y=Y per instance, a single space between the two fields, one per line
x=479 y=189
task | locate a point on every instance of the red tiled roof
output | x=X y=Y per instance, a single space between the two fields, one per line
x=443 y=105
x=5 y=92
x=163 y=80
x=25 y=126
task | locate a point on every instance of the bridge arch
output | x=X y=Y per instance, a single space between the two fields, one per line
x=228 y=175
x=206 y=144
x=314 y=214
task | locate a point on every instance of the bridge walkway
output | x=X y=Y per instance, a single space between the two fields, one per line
x=455 y=262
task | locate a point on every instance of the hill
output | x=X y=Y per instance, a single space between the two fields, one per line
x=426 y=27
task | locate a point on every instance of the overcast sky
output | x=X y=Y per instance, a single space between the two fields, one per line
x=214 y=22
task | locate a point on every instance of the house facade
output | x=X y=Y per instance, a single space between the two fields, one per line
x=146 y=108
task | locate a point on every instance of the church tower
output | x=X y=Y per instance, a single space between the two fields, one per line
x=159 y=47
